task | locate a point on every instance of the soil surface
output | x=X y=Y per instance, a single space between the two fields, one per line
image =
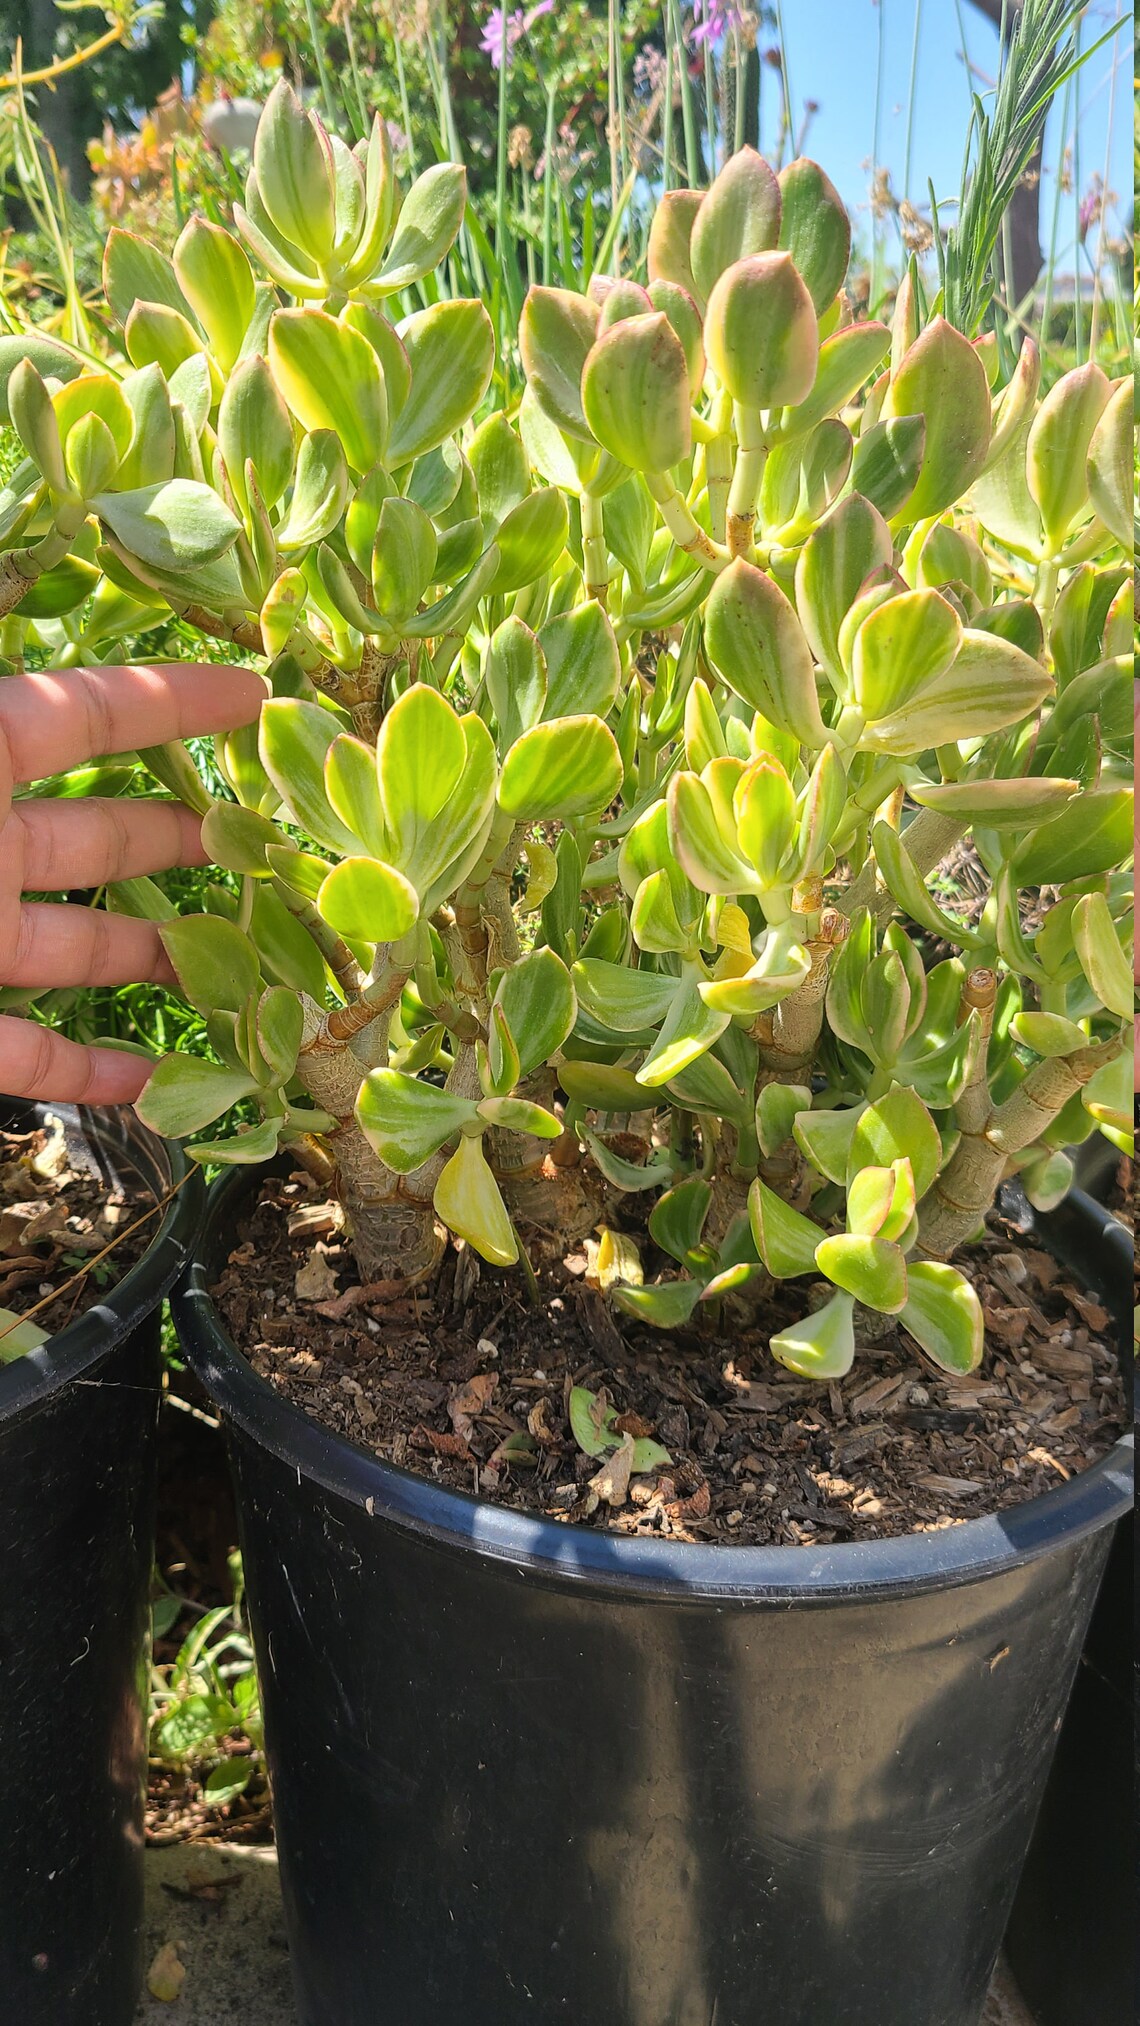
x=470 y=1385
x=65 y=1238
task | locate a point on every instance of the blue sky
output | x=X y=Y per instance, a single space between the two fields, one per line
x=833 y=53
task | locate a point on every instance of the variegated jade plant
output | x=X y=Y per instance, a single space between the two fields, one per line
x=584 y=850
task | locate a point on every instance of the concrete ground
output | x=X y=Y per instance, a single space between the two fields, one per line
x=215 y=1910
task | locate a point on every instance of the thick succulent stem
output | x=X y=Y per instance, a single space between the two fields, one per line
x=391 y=1223
x=956 y=1204
x=243 y=632
x=361 y=690
x=545 y=1186
x=790 y=1034
x=979 y=995
x=15 y=582
x=21 y=568
x=788 y=1038
x=718 y=477
x=747 y=477
x=595 y=561
x=685 y=529
x=561 y=1202
x=1045 y=1092
x=333 y=949
x=393 y=1229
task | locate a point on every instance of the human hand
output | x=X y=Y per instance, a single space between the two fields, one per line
x=49 y=723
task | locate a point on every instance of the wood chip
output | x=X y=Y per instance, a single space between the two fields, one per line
x=1094 y=1314
x=381 y=1291
x=1008 y=1325
x=1067 y=1363
x=949 y=1487
x=1039 y=1455
x=316 y=1220
x=610 y=1484
x=466 y=1402
x=874 y=1396
x=23 y=1225
x=439 y=1443
x=316 y=1280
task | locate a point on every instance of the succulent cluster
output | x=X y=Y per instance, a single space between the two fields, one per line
x=584 y=847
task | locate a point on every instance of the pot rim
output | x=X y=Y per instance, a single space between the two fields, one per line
x=120 y=1136
x=539 y=1547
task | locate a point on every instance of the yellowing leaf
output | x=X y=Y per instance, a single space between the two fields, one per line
x=166 y=1975
x=468 y=1200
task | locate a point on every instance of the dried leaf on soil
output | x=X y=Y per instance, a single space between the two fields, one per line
x=165 y=1976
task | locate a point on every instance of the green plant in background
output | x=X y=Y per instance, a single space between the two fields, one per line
x=207 y=1699
x=582 y=851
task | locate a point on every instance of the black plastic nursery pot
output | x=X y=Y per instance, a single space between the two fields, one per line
x=527 y=1774
x=78 y=1421
x=1071 y=1936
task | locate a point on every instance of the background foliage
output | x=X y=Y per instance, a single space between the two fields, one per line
x=599 y=107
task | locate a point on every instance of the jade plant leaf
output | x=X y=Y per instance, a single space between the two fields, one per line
x=215 y=963
x=568 y=767
x=368 y=900
x=757 y=644
x=583 y=666
x=468 y=1200
x=430 y=218
x=896 y=1127
x=738 y=216
x=871 y=1269
x=186 y=1093
x=536 y=999
x=407 y=1121
x=622 y=998
x=18 y=1336
x=1102 y=959
x=677 y=1219
x=294 y=739
x=332 y=379
x=666 y=1305
x=786 y=1240
x=173 y=526
x=822 y=1345
x=451 y=352
x=944 y=1316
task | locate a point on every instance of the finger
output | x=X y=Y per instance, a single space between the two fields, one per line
x=34 y=1062
x=51 y=721
x=56 y=945
x=59 y=843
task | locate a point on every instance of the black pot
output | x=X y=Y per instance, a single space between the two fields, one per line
x=527 y=1773
x=1096 y=1164
x=1070 y=1936
x=78 y=1421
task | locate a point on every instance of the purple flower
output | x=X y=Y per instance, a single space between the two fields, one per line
x=1092 y=205
x=712 y=20
x=515 y=26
